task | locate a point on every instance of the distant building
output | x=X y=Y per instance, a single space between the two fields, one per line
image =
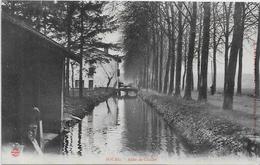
x=32 y=75
x=105 y=68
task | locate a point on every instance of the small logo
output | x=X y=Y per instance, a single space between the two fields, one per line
x=15 y=152
x=16 y=149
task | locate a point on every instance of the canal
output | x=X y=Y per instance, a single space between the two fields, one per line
x=126 y=127
x=119 y=130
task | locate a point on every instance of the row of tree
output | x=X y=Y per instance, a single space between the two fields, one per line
x=75 y=24
x=162 y=38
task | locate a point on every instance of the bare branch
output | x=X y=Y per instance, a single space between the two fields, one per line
x=184 y=15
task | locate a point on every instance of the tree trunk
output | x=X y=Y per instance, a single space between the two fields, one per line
x=240 y=59
x=67 y=76
x=151 y=73
x=44 y=19
x=172 y=68
x=161 y=62
x=205 y=52
x=213 y=86
x=155 y=62
x=158 y=59
x=257 y=55
x=184 y=73
x=192 y=35
x=81 y=54
x=236 y=42
x=109 y=81
x=185 y=62
x=72 y=79
x=166 y=78
x=199 y=48
x=148 y=80
x=226 y=61
x=228 y=12
x=179 y=53
x=147 y=68
x=69 y=22
x=144 y=74
x=239 y=76
x=169 y=59
x=192 y=81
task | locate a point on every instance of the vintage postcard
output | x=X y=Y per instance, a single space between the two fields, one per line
x=130 y=82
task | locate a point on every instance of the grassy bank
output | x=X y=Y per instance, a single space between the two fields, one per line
x=204 y=131
x=76 y=108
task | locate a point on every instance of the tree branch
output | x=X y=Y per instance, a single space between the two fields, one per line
x=184 y=15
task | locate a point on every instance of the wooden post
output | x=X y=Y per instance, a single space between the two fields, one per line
x=41 y=134
x=36 y=146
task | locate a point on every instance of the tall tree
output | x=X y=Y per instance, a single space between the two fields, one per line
x=81 y=49
x=161 y=55
x=213 y=87
x=172 y=47
x=170 y=63
x=240 y=56
x=192 y=35
x=257 y=57
x=185 y=60
x=217 y=38
x=155 y=63
x=90 y=21
x=179 y=51
x=227 y=31
x=136 y=39
x=205 y=52
x=70 y=11
x=248 y=22
x=169 y=33
x=199 y=48
x=236 y=43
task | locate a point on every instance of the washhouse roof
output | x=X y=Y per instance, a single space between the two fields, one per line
x=26 y=27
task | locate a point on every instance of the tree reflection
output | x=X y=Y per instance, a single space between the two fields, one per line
x=108 y=108
x=79 y=139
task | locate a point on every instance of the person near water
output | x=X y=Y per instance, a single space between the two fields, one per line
x=34 y=121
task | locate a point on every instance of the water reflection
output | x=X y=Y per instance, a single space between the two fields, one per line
x=79 y=138
x=126 y=126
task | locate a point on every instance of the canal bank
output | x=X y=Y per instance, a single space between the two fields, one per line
x=76 y=108
x=203 y=131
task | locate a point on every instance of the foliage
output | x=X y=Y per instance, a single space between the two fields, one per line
x=50 y=18
x=136 y=35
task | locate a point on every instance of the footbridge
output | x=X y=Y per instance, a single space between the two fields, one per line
x=127 y=90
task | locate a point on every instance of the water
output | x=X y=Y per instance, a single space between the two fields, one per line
x=117 y=131
x=126 y=127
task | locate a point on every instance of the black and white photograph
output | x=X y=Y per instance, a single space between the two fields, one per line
x=130 y=82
